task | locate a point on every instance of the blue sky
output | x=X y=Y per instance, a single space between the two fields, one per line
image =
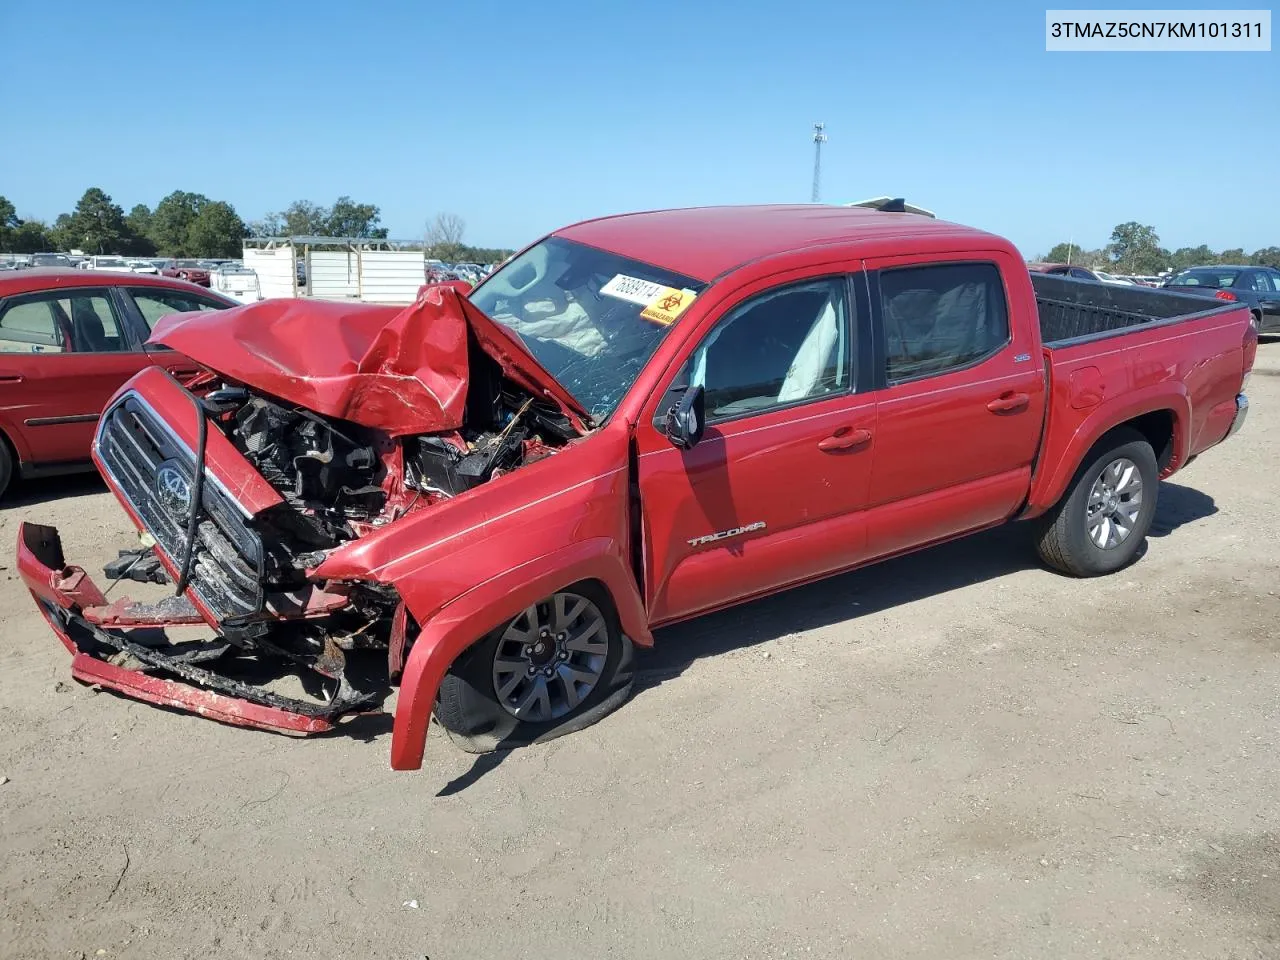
x=524 y=116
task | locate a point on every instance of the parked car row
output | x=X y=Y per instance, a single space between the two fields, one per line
x=438 y=271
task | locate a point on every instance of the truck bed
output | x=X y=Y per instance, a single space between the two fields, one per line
x=1073 y=311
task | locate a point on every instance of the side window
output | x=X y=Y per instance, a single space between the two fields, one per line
x=30 y=328
x=1275 y=280
x=784 y=346
x=939 y=318
x=156 y=303
x=1081 y=275
x=68 y=321
x=95 y=328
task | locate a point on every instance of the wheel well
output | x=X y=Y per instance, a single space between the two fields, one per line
x=1158 y=429
x=14 y=459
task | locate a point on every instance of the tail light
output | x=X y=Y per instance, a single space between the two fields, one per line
x=1250 y=349
x=1225 y=295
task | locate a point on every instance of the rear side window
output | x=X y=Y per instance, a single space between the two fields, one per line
x=1259 y=281
x=156 y=303
x=941 y=318
x=66 y=321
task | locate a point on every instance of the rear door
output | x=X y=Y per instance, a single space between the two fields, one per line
x=961 y=399
x=63 y=353
x=147 y=304
x=772 y=493
x=1266 y=286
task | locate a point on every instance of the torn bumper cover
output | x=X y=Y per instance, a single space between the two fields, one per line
x=121 y=646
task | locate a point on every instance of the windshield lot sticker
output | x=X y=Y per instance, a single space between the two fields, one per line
x=633 y=289
x=668 y=305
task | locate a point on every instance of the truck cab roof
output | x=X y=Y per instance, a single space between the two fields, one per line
x=707 y=242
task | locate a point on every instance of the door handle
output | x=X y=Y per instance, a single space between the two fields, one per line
x=1009 y=402
x=844 y=439
x=10 y=378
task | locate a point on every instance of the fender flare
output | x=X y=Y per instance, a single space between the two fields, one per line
x=1049 y=486
x=463 y=621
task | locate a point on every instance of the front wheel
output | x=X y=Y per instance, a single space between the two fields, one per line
x=1102 y=521
x=557 y=666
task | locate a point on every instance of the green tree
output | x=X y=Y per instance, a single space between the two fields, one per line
x=1185 y=257
x=139 y=220
x=1266 y=257
x=270 y=225
x=95 y=226
x=302 y=218
x=217 y=231
x=1063 y=253
x=171 y=222
x=30 y=236
x=349 y=219
x=1233 y=256
x=1135 y=249
x=60 y=233
x=8 y=215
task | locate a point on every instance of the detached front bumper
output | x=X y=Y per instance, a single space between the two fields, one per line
x=121 y=646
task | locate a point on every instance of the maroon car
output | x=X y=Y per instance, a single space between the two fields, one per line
x=190 y=270
x=68 y=340
x=1063 y=270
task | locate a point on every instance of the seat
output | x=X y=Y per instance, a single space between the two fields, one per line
x=90 y=332
x=750 y=357
x=815 y=359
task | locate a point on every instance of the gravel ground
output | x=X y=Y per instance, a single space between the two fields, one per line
x=955 y=754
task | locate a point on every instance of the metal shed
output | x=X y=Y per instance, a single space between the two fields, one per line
x=337 y=268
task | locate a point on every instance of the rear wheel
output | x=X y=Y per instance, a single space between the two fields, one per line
x=1102 y=521
x=557 y=666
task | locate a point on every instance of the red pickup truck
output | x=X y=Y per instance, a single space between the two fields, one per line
x=638 y=419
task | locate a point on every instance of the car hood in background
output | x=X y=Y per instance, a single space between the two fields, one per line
x=404 y=371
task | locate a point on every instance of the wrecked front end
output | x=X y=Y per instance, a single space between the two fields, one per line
x=240 y=496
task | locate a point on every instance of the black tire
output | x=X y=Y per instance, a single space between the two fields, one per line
x=1063 y=533
x=6 y=466
x=468 y=706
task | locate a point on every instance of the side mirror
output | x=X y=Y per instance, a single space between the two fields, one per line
x=686 y=420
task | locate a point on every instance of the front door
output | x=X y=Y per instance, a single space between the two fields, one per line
x=771 y=494
x=962 y=404
x=63 y=354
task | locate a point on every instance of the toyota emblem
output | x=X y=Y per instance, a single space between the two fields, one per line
x=174 y=490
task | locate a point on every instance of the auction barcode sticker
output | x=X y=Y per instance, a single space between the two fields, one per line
x=633 y=289
x=1117 y=31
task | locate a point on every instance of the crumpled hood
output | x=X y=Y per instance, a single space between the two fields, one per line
x=404 y=370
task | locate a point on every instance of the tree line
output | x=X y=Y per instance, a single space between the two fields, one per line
x=187 y=224
x=1135 y=250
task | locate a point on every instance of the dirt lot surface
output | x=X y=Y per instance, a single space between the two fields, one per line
x=956 y=754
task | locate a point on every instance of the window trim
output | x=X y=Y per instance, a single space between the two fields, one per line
x=840 y=279
x=123 y=327
x=877 y=315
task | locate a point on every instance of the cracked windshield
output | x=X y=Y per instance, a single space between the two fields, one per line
x=591 y=318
